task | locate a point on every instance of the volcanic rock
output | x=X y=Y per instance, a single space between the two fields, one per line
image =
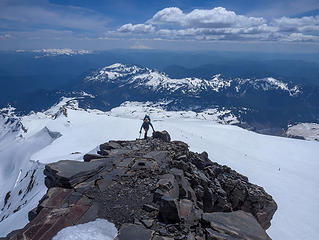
x=89 y=157
x=238 y=225
x=151 y=189
x=164 y=136
x=134 y=232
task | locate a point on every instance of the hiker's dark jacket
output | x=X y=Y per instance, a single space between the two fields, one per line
x=146 y=126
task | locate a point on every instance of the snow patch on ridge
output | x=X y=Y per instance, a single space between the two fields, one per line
x=308 y=131
x=113 y=71
x=100 y=229
x=157 y=111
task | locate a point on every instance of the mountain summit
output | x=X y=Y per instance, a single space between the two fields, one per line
x=151 y=189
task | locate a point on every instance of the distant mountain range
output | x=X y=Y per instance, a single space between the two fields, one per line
x=263 y=103
x=136 y=77
x=55 y=52
x=260 y=104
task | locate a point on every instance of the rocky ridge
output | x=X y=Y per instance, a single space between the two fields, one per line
x=153 y=189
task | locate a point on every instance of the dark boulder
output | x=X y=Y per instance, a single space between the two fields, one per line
x=233 y=225
x=110 y=145
x=88 y=157
x=134 y=232
x=168 y=210
x=164 y=136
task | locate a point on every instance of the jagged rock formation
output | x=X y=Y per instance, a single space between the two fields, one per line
x=151 y=189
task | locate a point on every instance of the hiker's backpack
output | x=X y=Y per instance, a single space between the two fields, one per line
x=147 y=117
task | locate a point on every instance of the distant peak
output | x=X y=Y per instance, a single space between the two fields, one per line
x=216 y=76
x=120 y=67
x=116 y=65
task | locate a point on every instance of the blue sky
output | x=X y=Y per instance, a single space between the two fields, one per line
x=259 y=25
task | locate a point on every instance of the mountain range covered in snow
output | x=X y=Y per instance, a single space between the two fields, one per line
x=159 y=82
x=264 y=94
x=265 y=104
x=55 y=52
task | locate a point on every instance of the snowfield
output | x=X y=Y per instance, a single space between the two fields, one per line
x=286 y=168
x=308 y=131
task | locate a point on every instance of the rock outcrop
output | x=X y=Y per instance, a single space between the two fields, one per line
x=153 y=189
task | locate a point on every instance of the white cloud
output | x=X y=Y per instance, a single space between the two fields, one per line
x=5 y=36
x=304 y=21
x=171 y=15
x=299 y=37
x=52 y=21
x=304 y=24
x=221 y=24
x=217 y=18
x=138 y=28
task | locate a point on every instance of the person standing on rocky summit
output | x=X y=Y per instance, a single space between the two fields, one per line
x=146 y=125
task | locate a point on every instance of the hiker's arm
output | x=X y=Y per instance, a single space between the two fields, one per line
x=141 y=128
x=152 y=127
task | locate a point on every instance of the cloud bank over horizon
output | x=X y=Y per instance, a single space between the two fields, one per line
x=44 y=23
x=220 y=24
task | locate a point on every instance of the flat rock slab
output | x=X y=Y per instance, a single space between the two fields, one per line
x=238 y=225
x=134 y=232
x=66 y=173
x=88 y=157
x=161 y=157
x=55 y=197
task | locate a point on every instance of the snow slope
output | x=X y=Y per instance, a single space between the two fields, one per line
x=21 y=180
x=286 y=168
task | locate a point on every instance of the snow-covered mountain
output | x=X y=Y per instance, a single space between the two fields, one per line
x=284 y=167
x=265 y=105
x=56 y=52
x=134 y=76
x=9 y=122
